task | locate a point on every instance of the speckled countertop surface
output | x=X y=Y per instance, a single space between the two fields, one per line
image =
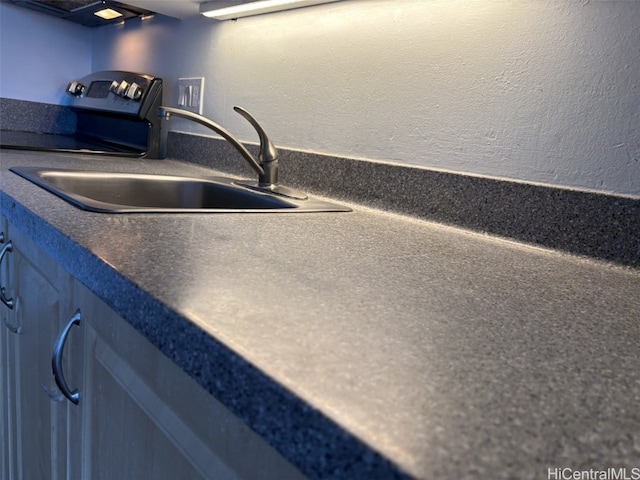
x=368 y=345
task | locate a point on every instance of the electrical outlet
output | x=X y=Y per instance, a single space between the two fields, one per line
x=191 y=94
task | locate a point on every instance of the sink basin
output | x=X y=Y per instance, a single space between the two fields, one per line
x=133 y=192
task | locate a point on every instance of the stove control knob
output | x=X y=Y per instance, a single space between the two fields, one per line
x=134 y=92
x=75 y=88
x=122 y=88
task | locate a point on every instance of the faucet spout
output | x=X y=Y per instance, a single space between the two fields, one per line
x=166 y=112
x=267 y=164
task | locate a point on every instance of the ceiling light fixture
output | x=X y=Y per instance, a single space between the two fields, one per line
x=107 y=13
x=213 y=9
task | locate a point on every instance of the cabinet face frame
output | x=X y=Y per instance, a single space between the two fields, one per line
x=5 y=439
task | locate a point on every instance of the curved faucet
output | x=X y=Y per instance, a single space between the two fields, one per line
x=166 y=112
x=268 y=155
x=267 y=164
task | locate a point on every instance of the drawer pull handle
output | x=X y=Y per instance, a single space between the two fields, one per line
x=56 y=360
x=7 y=301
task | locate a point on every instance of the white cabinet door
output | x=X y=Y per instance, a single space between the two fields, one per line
x=145 y=418
x=35 y=413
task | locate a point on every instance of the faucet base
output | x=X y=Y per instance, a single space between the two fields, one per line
x=275 y=190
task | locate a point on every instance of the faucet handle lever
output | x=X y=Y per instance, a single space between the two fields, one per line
x=268 y=151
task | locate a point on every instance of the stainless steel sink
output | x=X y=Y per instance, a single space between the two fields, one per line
x=133 y=192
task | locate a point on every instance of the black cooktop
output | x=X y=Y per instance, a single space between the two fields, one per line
x=49 y=142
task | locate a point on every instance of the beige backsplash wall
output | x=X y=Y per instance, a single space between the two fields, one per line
x=542 y=91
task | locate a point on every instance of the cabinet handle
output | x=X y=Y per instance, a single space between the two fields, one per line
x=56 y=360
x=7 y=301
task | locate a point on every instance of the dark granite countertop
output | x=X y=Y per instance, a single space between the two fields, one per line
x=367 y=344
